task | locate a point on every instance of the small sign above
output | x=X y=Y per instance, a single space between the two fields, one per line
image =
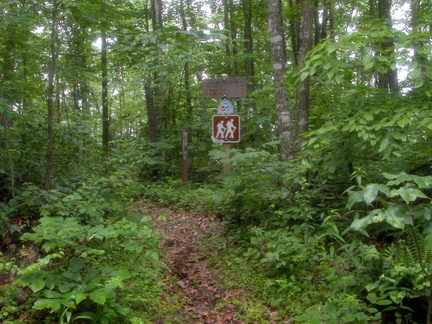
x=225 y=107
x=226 y=129
x=225 y=88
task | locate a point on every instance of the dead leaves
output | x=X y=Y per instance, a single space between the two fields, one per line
x=206 y=300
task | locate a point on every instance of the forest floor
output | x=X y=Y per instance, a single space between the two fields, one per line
x=200 y=293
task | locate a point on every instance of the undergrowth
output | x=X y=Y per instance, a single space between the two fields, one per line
x=88 y=257
x=310 y=252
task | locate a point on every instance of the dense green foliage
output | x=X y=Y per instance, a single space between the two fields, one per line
x=74 y=263
x=340 y=233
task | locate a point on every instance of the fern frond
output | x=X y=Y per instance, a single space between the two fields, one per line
x=416 y=246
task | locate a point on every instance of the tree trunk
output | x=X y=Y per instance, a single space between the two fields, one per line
x=154 y=96
x=278 y=57
x=233 y=37
x=152 y=114
x=420 y=56
x=6 y=92
x=248 y=43
x=50 y=97
x=186 y=66
x=389 y=79
x=303 y=86
x=105 y=108
x=151 y=111
x=228 y=53
x=294 y=33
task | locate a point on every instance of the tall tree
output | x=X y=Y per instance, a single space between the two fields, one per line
x=6 y=90
x=50 y=94
x=104 y=67
x=419 y=26
x=388 y=79
x=187 y=86
x=153 y=93
x=306 y=40
x=248 y=41
x=278 y=59
x=324 y=20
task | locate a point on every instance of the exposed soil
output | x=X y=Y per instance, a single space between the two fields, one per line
x=205 y=299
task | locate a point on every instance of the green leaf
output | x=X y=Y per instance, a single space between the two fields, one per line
x=331 y=47
x=86 y=315
x=76 y=264
x=67 y=286
x=403 y=122
x=68 y=303
x=370 y=193
x=383 y=302
x=43 y=303
x=79 y=297
x=50 y=282
x=354 y=197
x=384 y=189
x=423 y=182
x=360 y=224
x=51 y=294
x=418 y=83
x=408 y=194
x=416 y=73
x=37 y=284
x=396 y=217
x=384 y=144
x=98 y=296
x=369 y=65
x=304 y=75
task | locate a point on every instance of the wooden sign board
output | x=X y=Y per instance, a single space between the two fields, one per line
x=225 y=88
x=226 y=129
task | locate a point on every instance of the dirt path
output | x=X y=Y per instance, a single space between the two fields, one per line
x=205 y=299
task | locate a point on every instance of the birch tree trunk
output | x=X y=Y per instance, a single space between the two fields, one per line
x=278 y=57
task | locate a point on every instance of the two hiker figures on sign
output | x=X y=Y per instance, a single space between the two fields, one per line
x=225 y=132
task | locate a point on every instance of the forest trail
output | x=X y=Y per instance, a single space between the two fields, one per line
x=204 y=299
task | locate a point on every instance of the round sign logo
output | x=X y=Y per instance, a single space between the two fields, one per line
x=225 y=107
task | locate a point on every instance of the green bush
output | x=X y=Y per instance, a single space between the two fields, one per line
x=80 y=237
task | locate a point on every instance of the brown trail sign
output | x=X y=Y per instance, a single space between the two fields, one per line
x=226 y=129
x=224 y=88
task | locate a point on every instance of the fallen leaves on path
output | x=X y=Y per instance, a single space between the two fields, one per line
x=206 y=300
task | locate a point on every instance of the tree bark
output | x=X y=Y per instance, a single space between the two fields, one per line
x=303 y=86
x=151 y=111
x=50 y=97
x=105 y=108
x=186 y=66
x=154 y=96
x=389 y=79
x=294 y=33
x=6 y=92
x=420 y=56
x=248 y=42
x=278 y=57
